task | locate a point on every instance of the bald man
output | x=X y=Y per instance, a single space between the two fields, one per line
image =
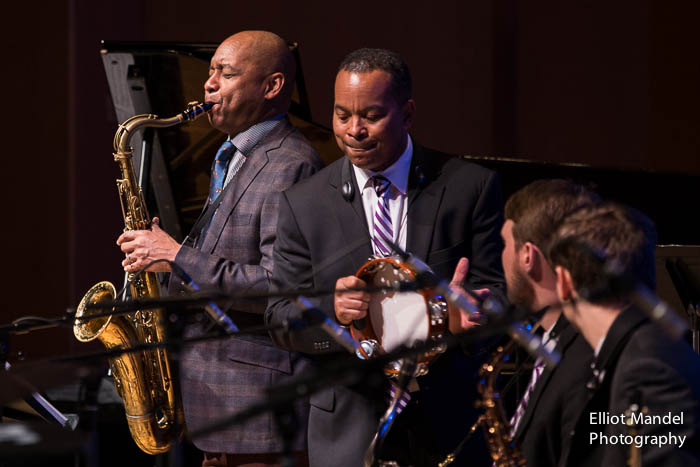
x=250 y=83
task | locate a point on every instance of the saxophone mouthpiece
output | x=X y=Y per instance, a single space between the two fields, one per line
x=196 y=109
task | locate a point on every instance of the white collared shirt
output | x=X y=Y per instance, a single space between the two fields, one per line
x=549 y=344
x=397 y=173
x=598 y=347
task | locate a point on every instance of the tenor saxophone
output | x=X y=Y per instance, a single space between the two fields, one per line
x=496 y=428
x=144 y=379
x=501 y=446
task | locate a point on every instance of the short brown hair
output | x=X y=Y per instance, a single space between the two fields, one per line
x=537 y=209
x=593 y=239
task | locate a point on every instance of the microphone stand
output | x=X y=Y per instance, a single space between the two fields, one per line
x=88 y=453
x=344 y=372
x=408 y=367
x=426 y=278
x=280 y=396
x=199 y=298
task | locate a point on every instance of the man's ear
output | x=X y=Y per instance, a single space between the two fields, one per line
x=539 y=266
x=408 y=109
x=565 y=286
x=527 y=257
x=273 y=85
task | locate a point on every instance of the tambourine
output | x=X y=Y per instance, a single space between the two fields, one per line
x=398 y=318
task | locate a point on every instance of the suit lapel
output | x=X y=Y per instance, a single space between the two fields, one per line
x=347 y=175
x=254 y=163
x=350 y=215
x=615 y=341
x=566 y=336
x=424 y=198
x=599 y=384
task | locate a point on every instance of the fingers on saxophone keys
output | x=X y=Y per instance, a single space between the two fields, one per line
x=125 y=237
x=129 y=262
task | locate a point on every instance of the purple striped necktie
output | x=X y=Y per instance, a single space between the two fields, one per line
x=383 y=233
x=537 y=370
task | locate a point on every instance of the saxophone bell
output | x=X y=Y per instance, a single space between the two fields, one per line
x=88 y=330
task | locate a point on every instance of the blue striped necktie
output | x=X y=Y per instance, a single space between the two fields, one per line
x=219 y=168
x=383 y=233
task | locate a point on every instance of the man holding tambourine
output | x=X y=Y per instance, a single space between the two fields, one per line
x=387 y=190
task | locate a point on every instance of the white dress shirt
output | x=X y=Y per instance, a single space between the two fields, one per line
x=397 y=173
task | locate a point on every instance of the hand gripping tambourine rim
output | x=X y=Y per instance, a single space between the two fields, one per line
x=433 y=321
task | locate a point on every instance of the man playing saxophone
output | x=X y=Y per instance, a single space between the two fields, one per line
x=250 y=83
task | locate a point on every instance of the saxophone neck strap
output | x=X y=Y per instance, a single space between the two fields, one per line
x=203 y=220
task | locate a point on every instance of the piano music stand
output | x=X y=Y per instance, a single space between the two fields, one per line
x=678 y=282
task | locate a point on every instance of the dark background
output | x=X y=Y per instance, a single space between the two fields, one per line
x=609 y=84
x=606 y=84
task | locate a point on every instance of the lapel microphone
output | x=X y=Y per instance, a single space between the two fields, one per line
x=348 y=191
x=420 y=176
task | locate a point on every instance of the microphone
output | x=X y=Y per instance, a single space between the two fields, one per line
x=348 y=191
x=620 y=283
x=336 y=331
x=219 y=317
x=659 y=311
x=493 y=308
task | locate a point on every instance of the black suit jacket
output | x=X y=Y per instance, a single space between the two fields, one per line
x=547 y=419
x=639 y=363
x=454 y=210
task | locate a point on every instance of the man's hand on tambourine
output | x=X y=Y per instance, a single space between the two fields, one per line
x=350 y=305
x=459 y=320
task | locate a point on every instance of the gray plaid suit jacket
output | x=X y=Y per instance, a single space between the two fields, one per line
x=235 y=254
